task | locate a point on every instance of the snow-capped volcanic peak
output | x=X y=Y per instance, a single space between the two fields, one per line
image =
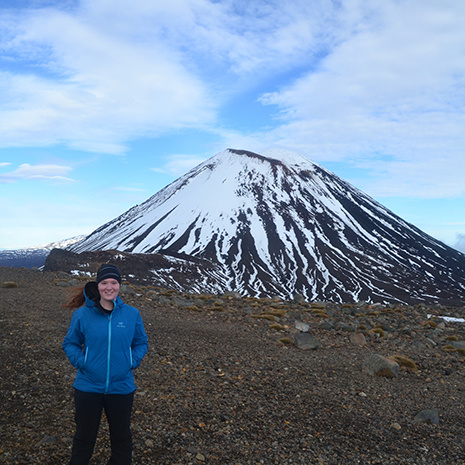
x=280 y=224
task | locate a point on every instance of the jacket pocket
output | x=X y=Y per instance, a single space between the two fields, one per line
x=94 y=368
x=82 y=365
x=122 y=366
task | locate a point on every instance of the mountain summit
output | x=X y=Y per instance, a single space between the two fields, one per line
x=278 y=224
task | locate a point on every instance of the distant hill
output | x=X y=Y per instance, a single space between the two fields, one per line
x=33 y=257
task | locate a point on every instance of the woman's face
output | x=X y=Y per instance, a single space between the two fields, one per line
x=108 y=289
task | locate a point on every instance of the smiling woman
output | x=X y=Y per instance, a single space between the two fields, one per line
x=105 y=342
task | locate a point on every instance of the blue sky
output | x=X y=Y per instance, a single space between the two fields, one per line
x=104 y=102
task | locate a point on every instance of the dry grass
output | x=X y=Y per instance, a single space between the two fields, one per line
x=405 y=362
x=9 y=285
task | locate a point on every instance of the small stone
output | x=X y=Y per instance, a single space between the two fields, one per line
x=427 y=416
x=47 y=440
x=306 y=341
x=458 y=344
x=301 y=326
x=326 y=325
x=381 y=366
x=358 y=339
x=396 y=426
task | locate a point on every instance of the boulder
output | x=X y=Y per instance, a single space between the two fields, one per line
x=377 y=365
x=306 y=341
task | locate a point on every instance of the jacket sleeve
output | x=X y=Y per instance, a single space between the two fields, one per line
x=139 y=343
x=73 y=343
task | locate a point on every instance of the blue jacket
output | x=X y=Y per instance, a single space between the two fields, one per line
x=105 y=348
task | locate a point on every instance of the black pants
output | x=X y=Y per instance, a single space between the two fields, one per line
x=89 y=407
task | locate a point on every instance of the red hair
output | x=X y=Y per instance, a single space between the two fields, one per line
x=76 y=298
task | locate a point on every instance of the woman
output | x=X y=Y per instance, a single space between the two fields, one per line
x=106 y=340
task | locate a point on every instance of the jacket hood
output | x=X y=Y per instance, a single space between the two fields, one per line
x=91 y=294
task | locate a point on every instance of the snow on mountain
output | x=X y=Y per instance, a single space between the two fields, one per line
x=34 y=256
x=63 y=244
x=278 y=224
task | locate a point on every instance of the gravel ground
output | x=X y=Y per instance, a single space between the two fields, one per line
x=218 y=386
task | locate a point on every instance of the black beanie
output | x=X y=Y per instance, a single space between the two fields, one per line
x=108 y=271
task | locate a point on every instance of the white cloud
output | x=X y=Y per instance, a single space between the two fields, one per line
x=93 y=88
x=389 y=97
x=460 y=244
x=105 y=72
x=378 y=84
x=28 y=172
x=243 y=36
x=179 y=164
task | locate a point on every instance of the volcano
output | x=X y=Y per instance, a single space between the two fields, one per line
x=277 y=224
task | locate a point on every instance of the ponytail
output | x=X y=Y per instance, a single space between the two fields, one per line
x=76 y=299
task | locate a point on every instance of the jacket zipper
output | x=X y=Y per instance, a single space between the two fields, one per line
x=107 y=384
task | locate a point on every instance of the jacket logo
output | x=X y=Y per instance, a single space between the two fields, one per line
x=120 y=324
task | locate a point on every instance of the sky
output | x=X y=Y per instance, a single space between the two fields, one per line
x=105 y=102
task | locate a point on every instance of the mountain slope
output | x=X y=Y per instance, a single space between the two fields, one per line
x=279 y=224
